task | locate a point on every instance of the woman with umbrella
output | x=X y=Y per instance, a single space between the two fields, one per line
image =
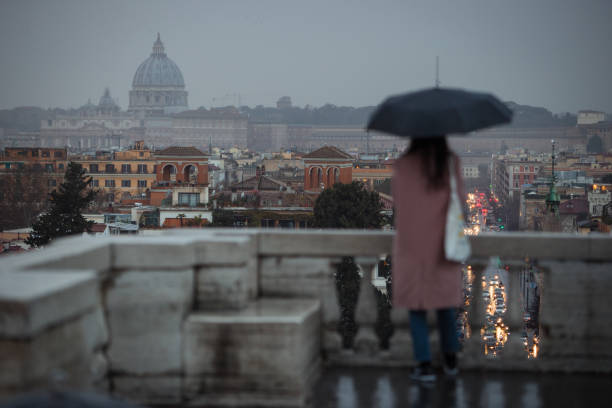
x=423 y=276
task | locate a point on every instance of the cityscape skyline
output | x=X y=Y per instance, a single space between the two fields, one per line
x=64 y=53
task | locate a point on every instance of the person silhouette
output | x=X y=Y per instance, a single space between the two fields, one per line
x=423 y=279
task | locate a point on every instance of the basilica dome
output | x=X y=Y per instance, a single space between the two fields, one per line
x=158 y=69
x=158 y=86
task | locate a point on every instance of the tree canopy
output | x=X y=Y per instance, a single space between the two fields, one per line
x=348 y=206
x=65 y=205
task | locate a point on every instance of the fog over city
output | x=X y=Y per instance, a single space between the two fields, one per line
x=550 y=53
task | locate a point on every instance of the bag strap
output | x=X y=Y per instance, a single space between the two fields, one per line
x=451 y=176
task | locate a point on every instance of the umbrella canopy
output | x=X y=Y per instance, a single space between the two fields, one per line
x=438 y=111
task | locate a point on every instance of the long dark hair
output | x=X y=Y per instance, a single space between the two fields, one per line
x=434 y=154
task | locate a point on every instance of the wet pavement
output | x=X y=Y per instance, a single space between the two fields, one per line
x=390 y=388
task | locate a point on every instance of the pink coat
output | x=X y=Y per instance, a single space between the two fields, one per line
x=422 y=277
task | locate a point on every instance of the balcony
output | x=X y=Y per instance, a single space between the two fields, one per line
x=235 y=316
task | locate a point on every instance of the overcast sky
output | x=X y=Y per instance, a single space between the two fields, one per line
x=551 y=53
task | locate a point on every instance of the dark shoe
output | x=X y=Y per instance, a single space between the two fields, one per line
x=450 y=365
x=423 y=373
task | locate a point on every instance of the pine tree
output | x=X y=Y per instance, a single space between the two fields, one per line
x=64 y=214
x=348 y=206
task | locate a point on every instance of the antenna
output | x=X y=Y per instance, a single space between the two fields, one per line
x=553 y=161
x=437 y=71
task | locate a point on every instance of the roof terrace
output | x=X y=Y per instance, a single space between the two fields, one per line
x=235 y=317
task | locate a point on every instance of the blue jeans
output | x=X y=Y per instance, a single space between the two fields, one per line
x=447 y=325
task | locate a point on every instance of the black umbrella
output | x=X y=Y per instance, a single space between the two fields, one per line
x=438 y=111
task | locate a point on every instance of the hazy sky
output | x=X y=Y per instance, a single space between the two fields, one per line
x=551 y=53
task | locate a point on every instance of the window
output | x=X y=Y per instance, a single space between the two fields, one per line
x=60 y=166
x=49 y=167
x=126 y=168
x=142 y=168
x=45 y=153
x=94 y=183
x=7 y=165
x=109 y=183
x=142 y=183
x=110 y=168
x=34 y=153
x=267 y=223
x=93 y=168
x=189 y=199
x=52 y=183
x=49 y=122
x=126 y=183
x=57 y=154
x=140 y=154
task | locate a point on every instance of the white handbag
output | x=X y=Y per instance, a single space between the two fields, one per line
x=456 y=245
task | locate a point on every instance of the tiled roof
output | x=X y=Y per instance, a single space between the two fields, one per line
x=259 y=184
x=328 y=152
x=180 y=151
x=574 y=206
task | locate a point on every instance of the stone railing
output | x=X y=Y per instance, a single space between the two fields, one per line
x=227 y=316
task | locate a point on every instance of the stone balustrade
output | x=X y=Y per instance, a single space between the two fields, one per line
x=227 y=317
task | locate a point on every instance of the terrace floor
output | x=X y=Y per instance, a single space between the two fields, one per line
x=391 y=388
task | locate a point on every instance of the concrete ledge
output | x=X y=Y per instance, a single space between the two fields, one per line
x=75 y=252
x=153 y=253
x=269 y=351
x=145 y=312
x=224 y=250
x=224 y=287
x=154 y=390
x=62 y=354
x=543 y=245
x=325 y=243
x=32 y=301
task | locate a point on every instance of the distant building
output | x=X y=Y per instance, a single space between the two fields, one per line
x=267 y=137
x=181 y=178
x=284 y=102
x=590 y=117
x=158 y=87
x=91 y=127
x=598 y=198
x=325 y=167
x=219 y=127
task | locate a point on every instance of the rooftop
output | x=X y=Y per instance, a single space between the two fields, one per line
x=181 y=151
x=328 y=152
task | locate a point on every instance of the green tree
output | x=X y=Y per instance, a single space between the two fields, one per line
x=222 y=218
x=64 y=214
x=348 y=206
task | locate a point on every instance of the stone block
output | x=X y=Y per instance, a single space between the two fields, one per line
x=76 y=252
x=146 y=253
x=224 y=287
x=324 y=243
x=31 y=301
x=224 y=250
x=269 y=350
x=301 y=277
x=145 y=311
x=61 y=355
x=157 y=390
